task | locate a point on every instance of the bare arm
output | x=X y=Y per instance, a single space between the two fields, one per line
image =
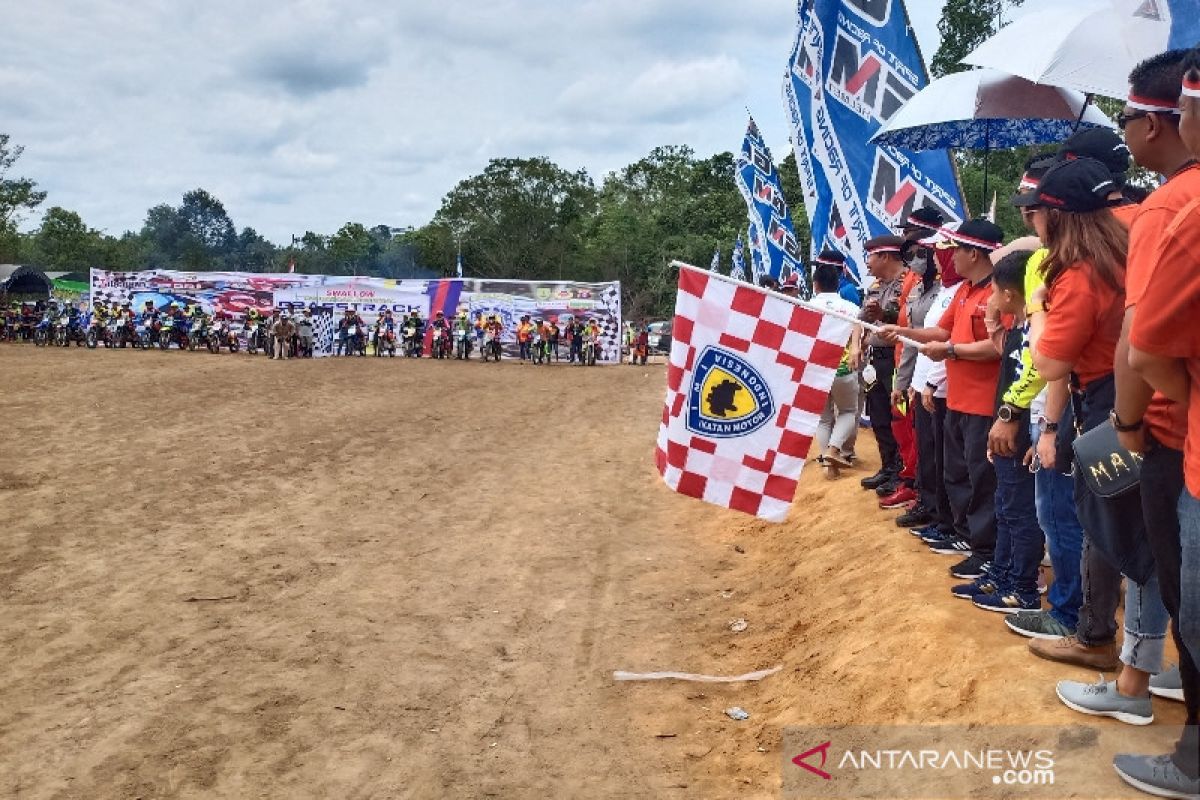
x=1167 y=375
x=1133 y=393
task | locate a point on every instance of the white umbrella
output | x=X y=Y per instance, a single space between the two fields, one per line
x=1088 y=46
x=983 y=109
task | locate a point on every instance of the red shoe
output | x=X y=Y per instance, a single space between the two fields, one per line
x=899 y=499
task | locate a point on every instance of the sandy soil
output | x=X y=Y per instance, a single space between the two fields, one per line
x=223 y=577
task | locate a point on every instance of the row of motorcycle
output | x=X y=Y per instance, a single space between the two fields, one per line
x=147 y=333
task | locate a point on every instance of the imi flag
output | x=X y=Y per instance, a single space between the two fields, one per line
x=772 y=234
x=749 y=375
x=853 y=65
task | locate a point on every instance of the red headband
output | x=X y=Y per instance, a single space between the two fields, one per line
x=970 y=241
x=1151 y=104
x=1191 y=86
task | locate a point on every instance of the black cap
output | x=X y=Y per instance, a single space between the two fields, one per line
x=925 y=217
x=1102 y=144
x=1078 y=186
x=976 y=233
x=885 y=244
x=833 y=257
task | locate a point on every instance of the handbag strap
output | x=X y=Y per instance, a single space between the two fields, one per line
x=1076 y=393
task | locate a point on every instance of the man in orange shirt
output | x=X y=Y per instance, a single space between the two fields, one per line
x=961 y=339
x=1164 y=347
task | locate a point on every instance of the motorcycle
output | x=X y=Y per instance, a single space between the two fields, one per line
x=462 y=344
x=199 y=336
x=42 y=333
x=351 y=342
x=148 y=332
x=215 y=338
x=97 y=332
x=491 y=346
x=541 y=349
x=254 y=337
x=438 y=349
x=412 y=342
x=385 y=340
x=590 y=344
x=227 y=337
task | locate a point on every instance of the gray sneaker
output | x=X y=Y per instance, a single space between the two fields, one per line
x=1168 y=684
x=1156 y=775
x=1037 y=625
x=1101 y=699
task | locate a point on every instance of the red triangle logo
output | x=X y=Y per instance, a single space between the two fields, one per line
x=1149 y=10
x=823 y=749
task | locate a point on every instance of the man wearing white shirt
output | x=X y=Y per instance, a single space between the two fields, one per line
x=838 y=428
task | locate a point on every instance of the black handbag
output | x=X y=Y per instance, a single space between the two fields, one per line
x=1107 y=469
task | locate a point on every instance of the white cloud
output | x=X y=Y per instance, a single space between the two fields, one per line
x=307 y=114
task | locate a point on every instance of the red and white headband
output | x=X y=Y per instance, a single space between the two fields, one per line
x=829 y=261
x=970 y=241
x=1150 y=104
x=1027 y=183
x=884 y=248
x=1191 y=86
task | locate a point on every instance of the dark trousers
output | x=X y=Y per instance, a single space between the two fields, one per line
x=879 y=407
x=1019 y=538
x=944 y=514
x=971 y=480
x=1162 y=484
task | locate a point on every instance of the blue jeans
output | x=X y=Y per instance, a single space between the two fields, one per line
x=1064 y=540
x=1146 y=621
x=1018 y=537
x=1189 y=574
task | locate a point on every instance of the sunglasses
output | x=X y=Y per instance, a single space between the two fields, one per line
x=1124 y=119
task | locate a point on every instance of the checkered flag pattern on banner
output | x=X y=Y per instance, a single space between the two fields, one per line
x=324 y=328
x=609 y=305
x=749 y=377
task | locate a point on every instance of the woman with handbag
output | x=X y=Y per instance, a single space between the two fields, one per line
x=1075 y=324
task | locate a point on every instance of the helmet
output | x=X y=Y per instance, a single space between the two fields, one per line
x=308 y=310
x=414 y=313
x=440 y=314
x=284 y=315
x=491 y=316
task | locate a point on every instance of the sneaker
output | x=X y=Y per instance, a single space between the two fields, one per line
x=886 y=489
x=1168 y=684
x=970 y=568
x=1037 y=625
x=919 y=516
x=925 y=530
x=953 y=546
x=1101 y=699
x=899 y=498
x=934 y=536
x=877 y=480
x=1069 y=650
x=1156 y=775
x=979 y=586
x=1007 y=602
x=835 y=457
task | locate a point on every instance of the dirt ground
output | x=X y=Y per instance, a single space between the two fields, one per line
x=227 y=578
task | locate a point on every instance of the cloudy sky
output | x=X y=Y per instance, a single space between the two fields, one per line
x=305 y=115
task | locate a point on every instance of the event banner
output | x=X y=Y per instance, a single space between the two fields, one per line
x=853 y=65
x=770 y=219
x=328 y=296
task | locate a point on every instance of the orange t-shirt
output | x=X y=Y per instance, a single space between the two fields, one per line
x=1163 y=326
x=1083 y=322
x=1167 y=421
x=970 y=385
x=911 y=279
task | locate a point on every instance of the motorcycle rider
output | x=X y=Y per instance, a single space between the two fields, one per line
x=539 y=337
x=384 y=325
x=439 y=322
x=525 y=339
x=414 y=343
x=575 y=334
x=554 y=334
x=463 y=327
x=496 y=329
x=350 y=319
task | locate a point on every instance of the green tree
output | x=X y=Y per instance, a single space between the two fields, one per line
x=519 y=218
x=352 y=249
x=162 y=233
x=64 y=243
x=17 y=196
x=208 y=237
x=966 y=24
x=253 y=253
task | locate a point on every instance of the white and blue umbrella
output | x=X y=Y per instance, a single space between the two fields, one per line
x=987 y=110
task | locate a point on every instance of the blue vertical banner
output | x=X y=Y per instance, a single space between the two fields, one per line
x=1184 y=19
x=757 y=270
x=775 y=237
x=854 y=63
x=738 y=271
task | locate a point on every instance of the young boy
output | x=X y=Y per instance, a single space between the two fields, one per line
x=1010 y=584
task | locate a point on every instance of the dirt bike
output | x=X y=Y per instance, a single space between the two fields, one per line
x=589 y=351
x=350 y=342
x=412 y=342
x=462 y=344
x=254 y=337
x=97 y=332
x=304 y=345
x=385 y=341
x=199 y=336
x=42 y=333
x=491 y=346
x=639 y=355
x=226 y=337
x=440 y=343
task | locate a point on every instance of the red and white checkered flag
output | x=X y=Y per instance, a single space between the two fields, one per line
x=749 y=376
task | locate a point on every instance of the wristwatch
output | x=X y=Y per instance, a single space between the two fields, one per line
x=1050 y=427
x=1008 y=413
x=950 y=354
x=1122 y=427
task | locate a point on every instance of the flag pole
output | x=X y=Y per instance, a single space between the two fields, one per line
x=794 y=301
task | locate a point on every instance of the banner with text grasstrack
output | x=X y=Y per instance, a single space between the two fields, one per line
x=853 y=65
